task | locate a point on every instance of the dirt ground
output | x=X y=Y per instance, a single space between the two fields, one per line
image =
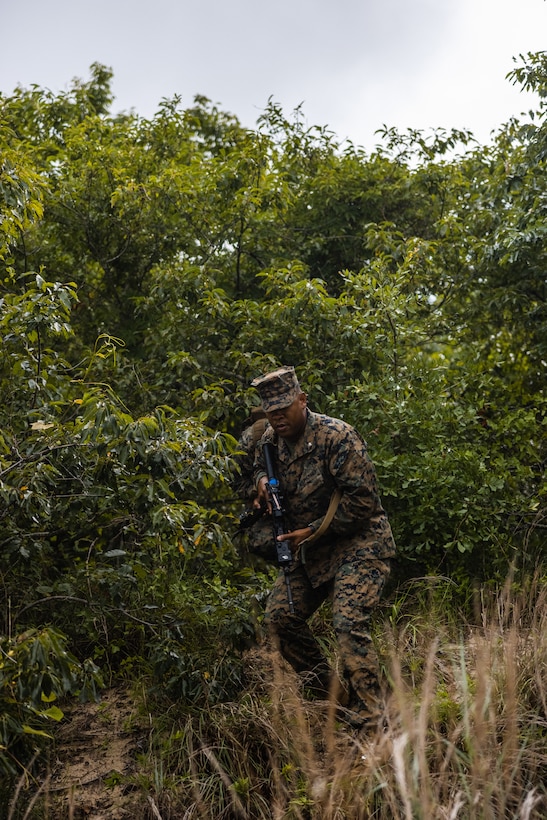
x=96 y=750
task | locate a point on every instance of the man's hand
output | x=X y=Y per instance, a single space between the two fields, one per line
x=295 y=537
x=263 y=497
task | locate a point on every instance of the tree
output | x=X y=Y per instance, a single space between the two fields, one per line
x=154 y=267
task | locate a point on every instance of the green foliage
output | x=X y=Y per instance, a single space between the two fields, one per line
x=20 y=205
x=152 y=267
x=110 y=518
x=36 y=671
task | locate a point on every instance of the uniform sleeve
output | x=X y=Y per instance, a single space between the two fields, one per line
x=353 y=472
x=259 y=464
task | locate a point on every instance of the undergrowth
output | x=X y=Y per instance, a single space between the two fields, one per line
x=465 y=736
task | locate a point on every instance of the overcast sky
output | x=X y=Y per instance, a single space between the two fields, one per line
x=354 y=65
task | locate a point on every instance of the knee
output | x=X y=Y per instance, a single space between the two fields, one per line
x=352 y=622
x=279 y=620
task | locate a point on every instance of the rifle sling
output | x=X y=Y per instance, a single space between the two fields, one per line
x=333 y=506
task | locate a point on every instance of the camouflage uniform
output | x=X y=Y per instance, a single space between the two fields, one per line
x=350 y=561
x=242 y=483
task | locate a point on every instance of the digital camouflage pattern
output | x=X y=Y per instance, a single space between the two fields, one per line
x=350 y=561
x=243 y=483
x=257 y=533
x=277 y=389
x=330 y=454
x=355 y=593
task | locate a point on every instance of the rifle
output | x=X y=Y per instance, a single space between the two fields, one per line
x=249 y=516
x=284 y=555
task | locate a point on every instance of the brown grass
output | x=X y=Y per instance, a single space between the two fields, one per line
x=466 y=735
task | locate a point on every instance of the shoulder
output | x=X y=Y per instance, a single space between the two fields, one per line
x=330 y=428
x=246 y=438
x=252 y=434
x=268 y=436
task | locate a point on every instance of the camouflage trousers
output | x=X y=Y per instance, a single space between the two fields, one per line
x=355 y=590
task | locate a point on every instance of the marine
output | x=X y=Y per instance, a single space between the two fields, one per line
x=321 y=463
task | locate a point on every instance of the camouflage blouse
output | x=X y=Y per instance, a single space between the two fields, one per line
x=330 y=454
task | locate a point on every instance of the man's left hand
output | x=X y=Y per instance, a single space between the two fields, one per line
x=295 y=537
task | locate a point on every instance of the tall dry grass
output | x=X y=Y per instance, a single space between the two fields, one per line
x=466 y=729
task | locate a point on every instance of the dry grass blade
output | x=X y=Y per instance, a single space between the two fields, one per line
x=466 y=733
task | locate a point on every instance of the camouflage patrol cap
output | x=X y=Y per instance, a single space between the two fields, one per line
x=277 y=389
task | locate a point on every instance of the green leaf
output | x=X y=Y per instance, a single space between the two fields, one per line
x=54 y=713
x=28 y=730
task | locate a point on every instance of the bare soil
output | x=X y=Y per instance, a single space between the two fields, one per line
x=95 y=762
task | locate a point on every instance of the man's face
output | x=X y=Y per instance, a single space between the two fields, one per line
x=289 y=422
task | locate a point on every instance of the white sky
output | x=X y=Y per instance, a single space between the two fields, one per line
x=354 y=65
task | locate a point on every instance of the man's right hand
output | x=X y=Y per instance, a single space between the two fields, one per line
x=263 y=497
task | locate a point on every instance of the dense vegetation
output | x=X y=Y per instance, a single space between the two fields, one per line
x=150 y=269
